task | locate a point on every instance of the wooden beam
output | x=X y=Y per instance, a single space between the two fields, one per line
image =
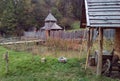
x=88 y=48
x=99 y=64
x=117 y=42
x=87 y=14
x=88 y=40
x=47 y=33
x=91 y=36
x=20 y=42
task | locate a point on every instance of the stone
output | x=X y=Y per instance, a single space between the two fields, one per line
x=62 y=59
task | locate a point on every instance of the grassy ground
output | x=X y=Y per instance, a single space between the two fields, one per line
x=24 y=66
x=53 y=50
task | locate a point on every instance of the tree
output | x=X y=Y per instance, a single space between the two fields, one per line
x=23 y=14
x=12 y=15
x=56 y=13
x=8 y=16
x=66 y=23
x=76 y=8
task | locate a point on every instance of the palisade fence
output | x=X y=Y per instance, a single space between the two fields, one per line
x=79 y=34
x=72 y=35
x=68 y=35
x=35 y=34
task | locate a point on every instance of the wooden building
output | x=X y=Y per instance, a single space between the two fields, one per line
x=101 y=14
x=50 y=25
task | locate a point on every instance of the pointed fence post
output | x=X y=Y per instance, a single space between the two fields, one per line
x=99 y=64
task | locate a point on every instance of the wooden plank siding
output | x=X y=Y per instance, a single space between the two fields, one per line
x=102 y=13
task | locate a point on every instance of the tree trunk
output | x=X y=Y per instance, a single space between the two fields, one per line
x=117 y=42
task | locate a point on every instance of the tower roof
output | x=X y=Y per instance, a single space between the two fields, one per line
x=55 y=26
x=50 y=17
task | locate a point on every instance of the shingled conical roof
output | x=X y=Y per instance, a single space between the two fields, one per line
x=55 y=27
x=50 y=17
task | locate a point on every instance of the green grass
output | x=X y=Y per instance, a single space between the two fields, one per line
x=44 y=51
x=24 y=67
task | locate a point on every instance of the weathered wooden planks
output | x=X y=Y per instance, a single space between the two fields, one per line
x=105 y=25
x=105 y=21
x=103 y=9
x=103 y=1
x=104 y=17
x=103 y=13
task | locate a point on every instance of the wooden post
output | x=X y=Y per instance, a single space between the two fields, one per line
x=88 y=40
x=117 y=42
x=91 y=37
x=88 y=49
x=99 y=64
x=6 y=58
x=47 y=33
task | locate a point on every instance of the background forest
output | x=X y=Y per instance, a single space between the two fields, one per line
x=25 y=14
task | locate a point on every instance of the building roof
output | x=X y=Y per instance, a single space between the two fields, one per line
x=50 y=23
x=50 y=17
x=51 y=26
x=42 y=28
x=55 y=26
x=101 y=13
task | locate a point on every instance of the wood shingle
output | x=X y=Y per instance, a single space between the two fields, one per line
x=50 y=17
x=51 y=23
x=101 y=13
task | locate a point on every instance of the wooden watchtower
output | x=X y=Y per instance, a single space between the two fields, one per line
x=50 y=25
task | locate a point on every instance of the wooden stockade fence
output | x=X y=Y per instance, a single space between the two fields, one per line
x=67 y=35
x=108 y=34
x=40 y=36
